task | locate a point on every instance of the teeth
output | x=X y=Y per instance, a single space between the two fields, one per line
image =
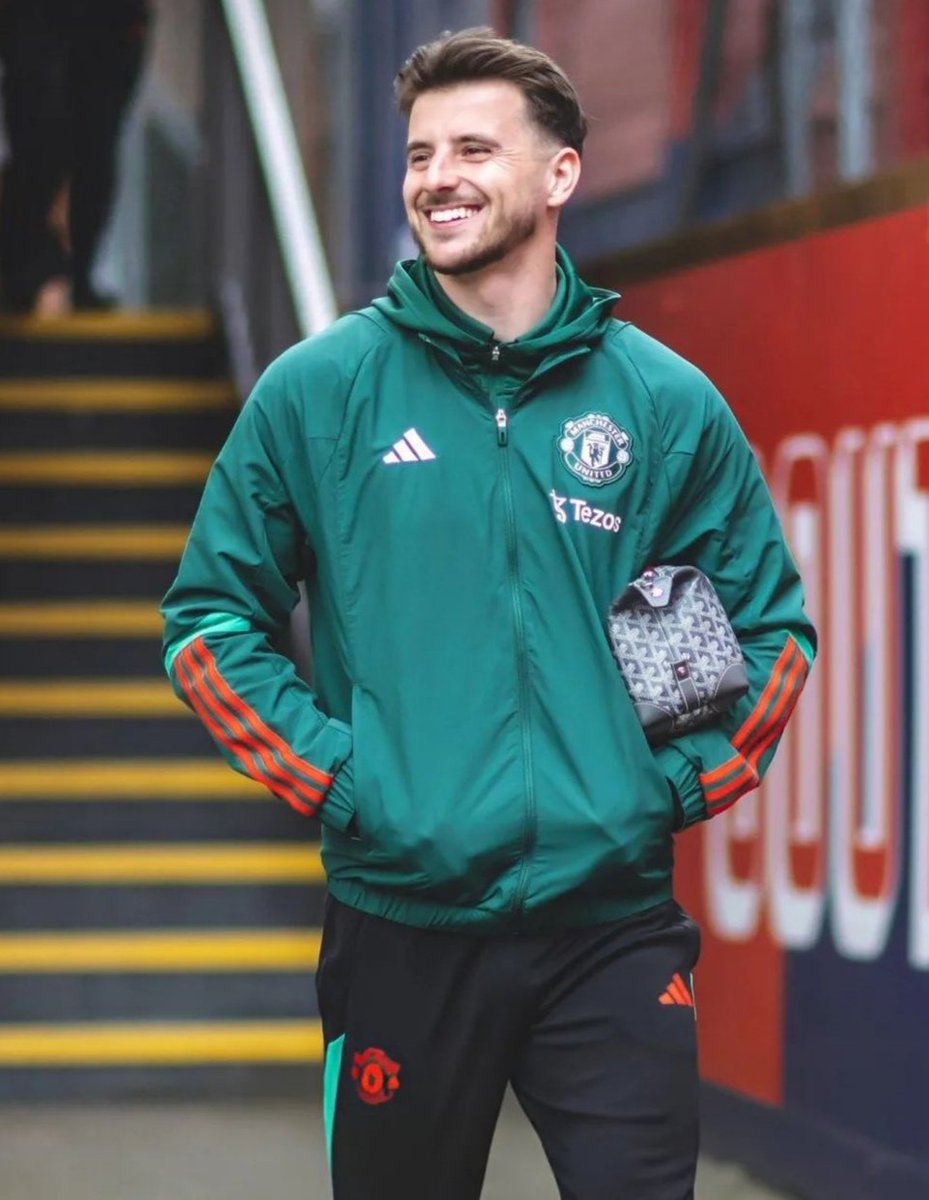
x=451 y=214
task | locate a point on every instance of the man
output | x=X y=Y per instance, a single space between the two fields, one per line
x=476 y=465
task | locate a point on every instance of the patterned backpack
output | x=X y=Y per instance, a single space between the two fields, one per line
x=677 y=652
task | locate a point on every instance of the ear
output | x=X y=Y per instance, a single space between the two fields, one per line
x=563 y=174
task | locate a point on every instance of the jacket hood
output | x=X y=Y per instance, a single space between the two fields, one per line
x=578 y=317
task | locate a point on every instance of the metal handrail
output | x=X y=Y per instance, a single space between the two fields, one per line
x=276 y=143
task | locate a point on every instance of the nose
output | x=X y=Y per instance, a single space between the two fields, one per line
x=440 y=174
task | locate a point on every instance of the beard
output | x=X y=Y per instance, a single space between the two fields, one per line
x=488 y=250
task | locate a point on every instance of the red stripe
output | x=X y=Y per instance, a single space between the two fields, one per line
x=242 y=746
x=684 y=988
x=784 y=690
x=275 y=778
x=263 y=731
x=744 y=782
x=678 y=991
x=782 y=667
x=721 y=808
x=758 y=713
x=765 y=738
x=203 y=712
x=718 y=775
x=212 y=683
x=793 y=686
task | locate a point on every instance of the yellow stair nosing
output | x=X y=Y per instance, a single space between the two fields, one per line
x=160 y=864
x=80 y=618
x=91 y=698
x=167 y=1043
x=122 y=325
x=155 y=950
x=99 y=468
x=131 y=779
x=115 y=395
x=131 y=542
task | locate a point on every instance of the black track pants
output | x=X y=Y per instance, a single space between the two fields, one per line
x=593 y=1027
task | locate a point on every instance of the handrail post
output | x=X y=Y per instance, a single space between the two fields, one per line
x=278 y=152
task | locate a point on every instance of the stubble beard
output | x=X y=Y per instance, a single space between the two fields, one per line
x=518 y=230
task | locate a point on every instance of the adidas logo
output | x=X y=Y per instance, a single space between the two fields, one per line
x=410 y=448
x=677 y=992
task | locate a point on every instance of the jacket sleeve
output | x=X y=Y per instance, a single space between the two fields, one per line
x=234 y=591
x=722 y=520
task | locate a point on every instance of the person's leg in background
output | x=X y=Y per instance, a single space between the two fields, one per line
x=35 y=51
x=421 y=1029
x=609 y=1074
x=109 y=52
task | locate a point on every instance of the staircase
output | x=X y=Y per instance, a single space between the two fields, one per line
x=158 y=914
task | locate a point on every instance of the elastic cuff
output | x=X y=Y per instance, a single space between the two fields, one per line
x=338 y=808
x=685 y=783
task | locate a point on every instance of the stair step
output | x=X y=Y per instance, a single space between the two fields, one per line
x=264 y=818
x=129 y=963
x=124 y=324
x=81 y=619
x=204 y=429
x=115 y=395
x=126 y=779
x=142 y=905
x=86 y=542
x=86 y=576
x=183 y=994
x=144 y=950
x=102 y=503
x=42 y=639
x=81 y=656
x=118 y=344
x=172 y=1043
x=96 y=468
x=90 y=698
x=159 y=863
x=67 y=738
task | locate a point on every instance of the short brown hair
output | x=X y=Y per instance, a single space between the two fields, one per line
x=480 y=53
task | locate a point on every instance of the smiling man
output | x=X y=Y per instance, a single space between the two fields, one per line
x=467 y=473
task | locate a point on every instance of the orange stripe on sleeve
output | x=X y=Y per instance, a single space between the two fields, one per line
x=777 y=719
x=769 y=697
x=732 y=766
x=229 y=732
x=263 y=731
x=784 y=664
x=724 y=796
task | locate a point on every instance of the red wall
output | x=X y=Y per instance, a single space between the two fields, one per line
x=811 y=337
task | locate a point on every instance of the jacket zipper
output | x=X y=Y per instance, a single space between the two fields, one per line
x=522 y=670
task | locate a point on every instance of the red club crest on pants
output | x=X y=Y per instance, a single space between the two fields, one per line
x=375 y=1076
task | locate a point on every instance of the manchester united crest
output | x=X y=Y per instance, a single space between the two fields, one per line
x=595 y=449
x=375 y=1076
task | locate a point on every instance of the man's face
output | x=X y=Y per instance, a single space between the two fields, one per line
x=476 y=175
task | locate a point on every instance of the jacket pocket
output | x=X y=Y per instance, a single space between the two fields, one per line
x=338 y=810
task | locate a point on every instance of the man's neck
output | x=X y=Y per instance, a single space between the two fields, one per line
x=511 y=297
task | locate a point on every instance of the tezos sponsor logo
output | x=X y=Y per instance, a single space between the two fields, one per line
x=567 y=508
x=595 y=449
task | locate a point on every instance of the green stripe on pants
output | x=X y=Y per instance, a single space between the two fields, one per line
x=331 y=1072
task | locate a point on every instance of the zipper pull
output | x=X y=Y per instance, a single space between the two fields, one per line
x=495 y=353
x=501 y=420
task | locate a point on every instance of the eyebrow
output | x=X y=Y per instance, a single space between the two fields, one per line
x=463 y=137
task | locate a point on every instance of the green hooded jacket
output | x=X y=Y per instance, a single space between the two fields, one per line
x=463 y=513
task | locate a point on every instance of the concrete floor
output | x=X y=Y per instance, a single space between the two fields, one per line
x=238 y=1151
